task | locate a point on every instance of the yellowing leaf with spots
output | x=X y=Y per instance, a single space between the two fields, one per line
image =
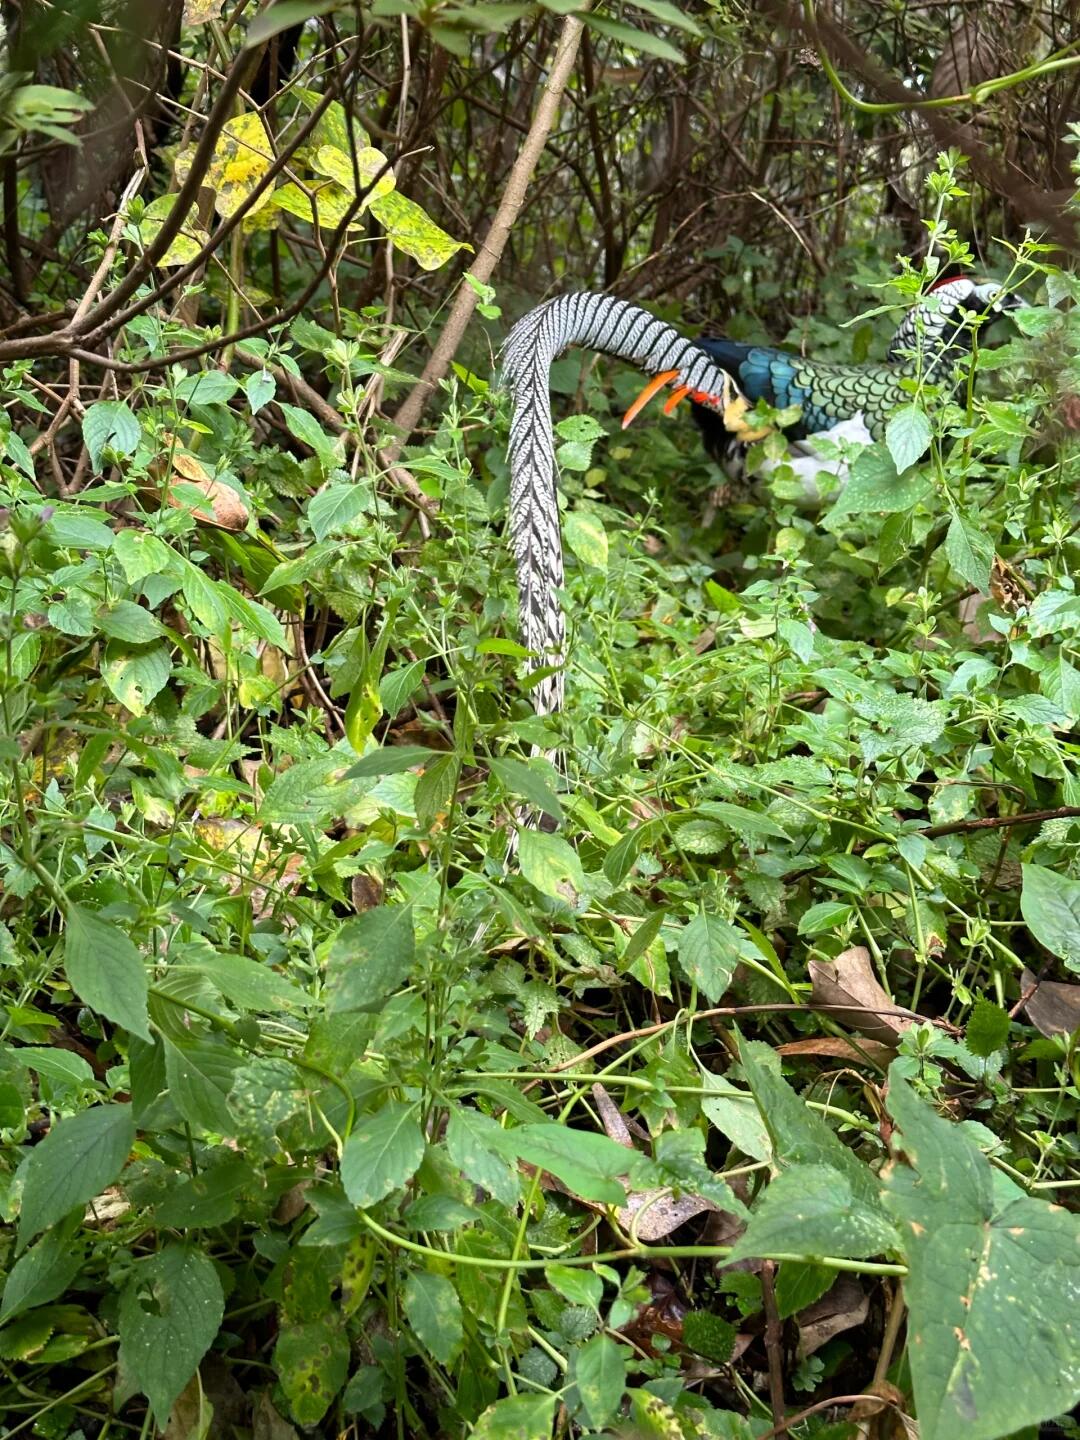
x=413 y=231
x=189 y=239
x=241 y=158
x=198 y=12
x=327 y=200
x=333 y=125
x=372 y=168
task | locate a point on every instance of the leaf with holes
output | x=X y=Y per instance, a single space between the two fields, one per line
x=170 y=1312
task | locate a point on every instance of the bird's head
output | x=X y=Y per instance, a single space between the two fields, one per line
x=976 y=296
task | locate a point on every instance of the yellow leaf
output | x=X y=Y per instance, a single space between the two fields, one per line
x=241 y=158
x=198 y=12
x=189 y=239
x=331 y=202
x=413 y=231
x=369 y=163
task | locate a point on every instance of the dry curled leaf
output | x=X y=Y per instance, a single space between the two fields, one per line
x=842 y=1308
x=835 y=1047
x=180 y=472
x=849 y=980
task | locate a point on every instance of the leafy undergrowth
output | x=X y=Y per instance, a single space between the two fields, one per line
x=734 y=1096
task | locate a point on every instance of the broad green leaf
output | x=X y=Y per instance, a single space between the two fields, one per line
x=549 y=863
x=735 y=1114
x=709 y=950
x=472 y=1143
x=810 y=1210
x=105 y=970
x=140 y=554
x=413 y=231
x=109 y=424
x=799 y=1136
x=334 y=509
x=260 y=388
x=633 y=39
x=907 y=436
x=308 y=430
x=249 y=984
x=799 y=1284
x=311 y=790
x=76 y=1161
x=587 y=538
x=433 y=1310
x=170 y=1312
x=970 y=552
x=993 y=1286
x=312 y=1362
x=435 y=790
x=43 y=1272
x=826 y=915
x=579 y=1286
x=211 y=1197
x=600 y=1374
x=382 y=1153
x=203 y=597
x=77 y=530
x=327 y=202
x=392 y=760
x=1050 y=905
x=370 y=957
x=242 y=156
x=875 y=485
x=135 y=677
x=282 y=15
x=987 y=1029
x=200 y=1074
x=587 y=1163
x=130 y=622
x=517 y=1417
x=525 y=781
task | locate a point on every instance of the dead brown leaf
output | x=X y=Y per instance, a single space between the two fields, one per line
x=1054 y=1007
x=850 y=980
x=842 y=1308
x=178 y=472
x=835 y=1047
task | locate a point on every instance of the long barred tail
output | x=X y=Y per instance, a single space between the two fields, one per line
x=614 y=327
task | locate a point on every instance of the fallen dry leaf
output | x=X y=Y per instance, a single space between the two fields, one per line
x=178 y=471
x=850 y=980
x=837 y=1048
x=1054 y=1007
x=841 y=1308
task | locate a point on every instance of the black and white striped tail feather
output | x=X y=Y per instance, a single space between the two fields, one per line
x=613 y=327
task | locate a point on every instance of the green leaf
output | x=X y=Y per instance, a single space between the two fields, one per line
x=549 y=863
x=382 y=1153
x=634 y=39
x=600 y=1374
x=987 y=1029
x=875 y=485
x=709 y=950
x=135 y=677
x=281 y=16
x=211 y=1197
x=970 y=552
x=523 y=780
x=517 y=1417
x=434 y=793
x=76 y=1161
x=312 y=1362
x=170 y=1312
x=391 y=760
x=810 y=1210
x=333 y=510
x=370 y=957
x=43 y=1273
x=580 y=1287
x=799 y=1136
x=249 y=984
x=310 y=433
x=140 y=554
x=907 y=436
x=110 y=423
x=586 y=1162
x=992 y=1285
x=260 y=388
x=201 y=594
x=472 y=1143
x=799 y=1284
x=433 y=1310
x=127 y=621
x=826 y=915
x=200 y=1074
x=587 y=538
x=710 y=1336
x=735 y=1114
x=1050 y=905
x=105 y=970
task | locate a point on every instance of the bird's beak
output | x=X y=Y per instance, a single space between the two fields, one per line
x=656 y=383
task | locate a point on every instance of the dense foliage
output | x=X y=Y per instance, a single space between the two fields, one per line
x=741 y=1099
